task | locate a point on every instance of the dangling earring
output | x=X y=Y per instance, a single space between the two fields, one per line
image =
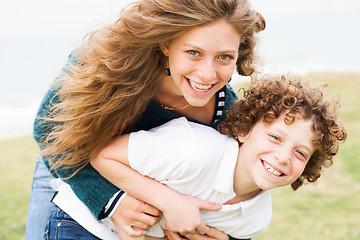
x=167 y=72
x=229 y=79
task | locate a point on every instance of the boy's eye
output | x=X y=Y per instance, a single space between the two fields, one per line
x=276 y=138
x=302 y=154
x=193 y=52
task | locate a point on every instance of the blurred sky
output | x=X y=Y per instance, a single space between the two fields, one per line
x=36 y=37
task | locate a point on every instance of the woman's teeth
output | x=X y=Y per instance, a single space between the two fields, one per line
x=199 y=87
x=271 y=170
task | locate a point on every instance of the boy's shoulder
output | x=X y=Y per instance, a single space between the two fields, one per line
x=183 y=125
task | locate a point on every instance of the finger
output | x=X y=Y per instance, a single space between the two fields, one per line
x=133 y=231
x=188 y=233
x=151 y=210
x=172 y=235
x=198 y=237
x=139 y=206
x=127 y=231
x=132 y=213
x=132 y=220
x=216 y=234
x=202 y=229
x=148 y=220
x=121 y=232
x=139 y=225
x=209 y=206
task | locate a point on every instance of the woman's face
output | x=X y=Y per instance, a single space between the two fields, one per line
x=201 y=61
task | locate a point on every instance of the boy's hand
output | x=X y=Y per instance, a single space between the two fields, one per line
x=183 y=214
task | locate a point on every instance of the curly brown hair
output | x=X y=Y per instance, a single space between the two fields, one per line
x=120 y=67
x=267 y=98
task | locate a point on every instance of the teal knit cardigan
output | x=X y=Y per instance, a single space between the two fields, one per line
x=89 y=186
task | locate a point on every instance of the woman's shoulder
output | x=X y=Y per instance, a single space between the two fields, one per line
x=230 y=93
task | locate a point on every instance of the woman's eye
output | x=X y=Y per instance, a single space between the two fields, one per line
x=225 y=57
x=192 y=52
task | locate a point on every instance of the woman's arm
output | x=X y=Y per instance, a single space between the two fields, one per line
x=91 y=188
x=181 y=211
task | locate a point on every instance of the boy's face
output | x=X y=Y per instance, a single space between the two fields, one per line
x=276 y=154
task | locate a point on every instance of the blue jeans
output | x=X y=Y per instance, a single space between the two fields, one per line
x=61 y=226
x=40 y=201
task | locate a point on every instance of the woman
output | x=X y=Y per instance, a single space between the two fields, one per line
x=161 y=60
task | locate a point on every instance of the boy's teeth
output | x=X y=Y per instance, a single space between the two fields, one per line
x=271 y=169
x=200 y=87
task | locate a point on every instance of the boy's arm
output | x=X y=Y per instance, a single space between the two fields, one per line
x=182 y=214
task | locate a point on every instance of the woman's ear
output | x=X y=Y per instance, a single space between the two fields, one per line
x=164 y=47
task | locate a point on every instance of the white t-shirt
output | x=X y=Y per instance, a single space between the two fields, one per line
x=193 y=159
x=199 y=161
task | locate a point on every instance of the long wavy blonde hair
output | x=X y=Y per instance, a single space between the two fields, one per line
x=120 y=67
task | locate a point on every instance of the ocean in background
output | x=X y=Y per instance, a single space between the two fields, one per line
x=309 y=43
x=28 y=65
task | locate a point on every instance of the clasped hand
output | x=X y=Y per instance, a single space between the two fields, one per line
x=183 y=214
x=133 y=217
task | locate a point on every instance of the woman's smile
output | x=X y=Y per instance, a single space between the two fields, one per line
x=200 y=88
x=199 y=65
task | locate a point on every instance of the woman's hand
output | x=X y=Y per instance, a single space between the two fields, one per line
x=182 y=214
x=133 y=216
x=211 y=234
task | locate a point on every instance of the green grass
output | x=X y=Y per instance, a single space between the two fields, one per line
x=17 y=162
x=328 y=210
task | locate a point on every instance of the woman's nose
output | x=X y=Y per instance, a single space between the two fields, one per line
x=207 y=71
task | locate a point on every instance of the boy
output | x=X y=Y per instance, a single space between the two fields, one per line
x=282 y=133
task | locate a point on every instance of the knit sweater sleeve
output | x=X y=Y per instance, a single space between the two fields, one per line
x=88 y=185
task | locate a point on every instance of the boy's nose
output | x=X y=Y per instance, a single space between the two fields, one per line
x=283 y=157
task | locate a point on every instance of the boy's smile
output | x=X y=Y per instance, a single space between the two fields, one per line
x=274 y=154
x=270 y=169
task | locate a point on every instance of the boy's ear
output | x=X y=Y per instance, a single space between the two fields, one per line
x=164 y=47
x=241 y=137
